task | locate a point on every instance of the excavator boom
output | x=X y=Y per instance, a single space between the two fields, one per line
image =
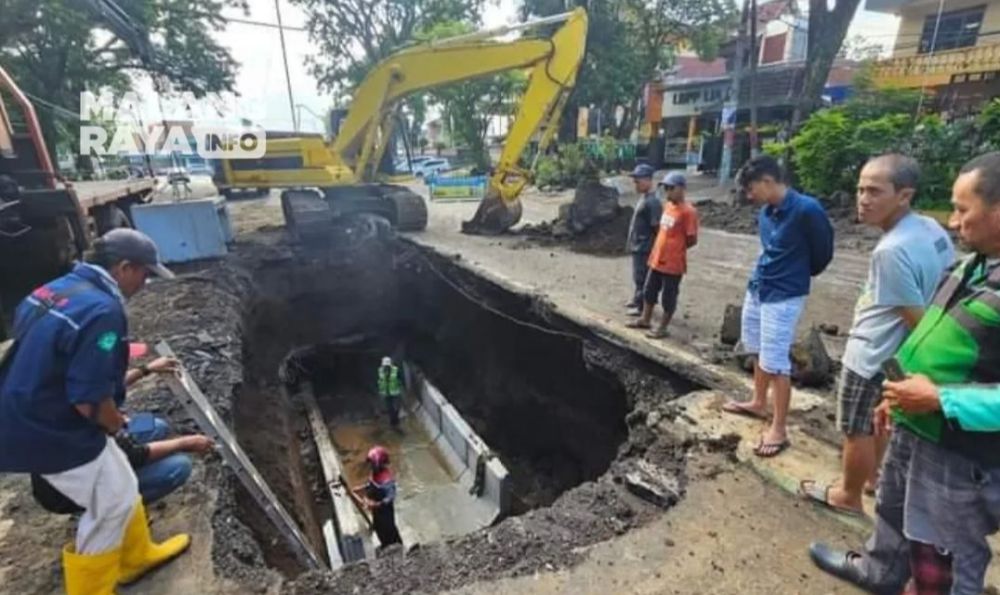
x=553 y=65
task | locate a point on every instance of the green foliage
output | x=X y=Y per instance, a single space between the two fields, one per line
x=56 y=49
x=548 y=173
x=989 y=126
x=818 y=151
x=629 y=40
x=775 y=149
x=468 y=107
x=351 y=36
x=834 y=143
x=564 y=168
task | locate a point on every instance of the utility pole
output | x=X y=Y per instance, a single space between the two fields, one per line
x=284 y=57
x=731 y=107
x=754 y=58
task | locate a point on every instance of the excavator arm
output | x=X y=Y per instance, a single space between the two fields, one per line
x=364 y=134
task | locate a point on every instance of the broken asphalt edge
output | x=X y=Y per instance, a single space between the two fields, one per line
x=680 y=360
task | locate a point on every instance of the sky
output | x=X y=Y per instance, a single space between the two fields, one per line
x=261 y=79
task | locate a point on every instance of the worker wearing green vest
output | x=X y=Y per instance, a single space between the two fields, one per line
x=939 y=494
x=390 y=389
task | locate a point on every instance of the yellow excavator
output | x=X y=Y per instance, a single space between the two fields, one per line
x=328 y=182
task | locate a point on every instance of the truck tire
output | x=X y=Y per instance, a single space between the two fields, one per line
x=110 y=217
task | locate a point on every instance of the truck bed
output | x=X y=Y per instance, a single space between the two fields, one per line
x=97 y=193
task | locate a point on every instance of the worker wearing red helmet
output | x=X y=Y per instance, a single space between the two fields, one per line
x=379 y=496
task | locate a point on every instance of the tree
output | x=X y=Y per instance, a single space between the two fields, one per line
x=861 y=49
x=468 y=107
x=354 y=35
x=56 y=49
x=827 y=28
x=629 y=41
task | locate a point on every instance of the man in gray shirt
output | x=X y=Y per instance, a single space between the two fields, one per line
x=905 y=269
x=642 y=231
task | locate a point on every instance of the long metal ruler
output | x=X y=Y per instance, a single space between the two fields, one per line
x=197 y=405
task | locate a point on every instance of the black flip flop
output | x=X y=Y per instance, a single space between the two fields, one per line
x=779 y=447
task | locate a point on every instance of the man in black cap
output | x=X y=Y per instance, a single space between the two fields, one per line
x=642 y=231
x=62 y=384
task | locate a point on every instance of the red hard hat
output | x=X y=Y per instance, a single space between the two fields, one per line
x=378 y=457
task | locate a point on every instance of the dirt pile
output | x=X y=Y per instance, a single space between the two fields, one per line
x=742 y=218
x=594 y=223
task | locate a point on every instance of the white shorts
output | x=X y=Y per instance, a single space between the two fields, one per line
x=769 y=331
x=107 y=489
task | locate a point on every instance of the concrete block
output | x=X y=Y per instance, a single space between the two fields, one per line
x=454 y=435
x=456 y=466
x=461 y=447
x=731 y=325
x=185 y=231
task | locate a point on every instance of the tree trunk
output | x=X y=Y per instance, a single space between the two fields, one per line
x=827 y=29
x=568 y=120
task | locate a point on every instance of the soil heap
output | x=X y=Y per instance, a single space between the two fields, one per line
x=593 y=223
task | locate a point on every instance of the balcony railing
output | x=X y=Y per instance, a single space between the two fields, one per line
x=938 y=68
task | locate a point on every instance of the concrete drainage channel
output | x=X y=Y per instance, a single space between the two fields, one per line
x=559 y=425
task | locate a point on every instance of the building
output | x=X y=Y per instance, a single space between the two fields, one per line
x=951 y=49
x=686 y=105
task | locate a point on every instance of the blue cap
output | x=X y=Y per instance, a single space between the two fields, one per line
x=674 y=178
x=643 y=170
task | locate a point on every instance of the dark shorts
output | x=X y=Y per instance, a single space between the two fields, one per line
x=857 y=398
x=639 y=273
x=662 y=285
x=953 y=503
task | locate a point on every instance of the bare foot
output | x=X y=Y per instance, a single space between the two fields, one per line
x=870 y=486
x=745 y=408
x=838 y=498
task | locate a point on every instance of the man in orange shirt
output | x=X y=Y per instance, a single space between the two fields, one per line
x=668 y=258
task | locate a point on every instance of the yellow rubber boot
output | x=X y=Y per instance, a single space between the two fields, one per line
x=95 y=574
x=140 y=554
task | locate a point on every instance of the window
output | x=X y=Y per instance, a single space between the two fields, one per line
x=774 y=49
x=958 y=29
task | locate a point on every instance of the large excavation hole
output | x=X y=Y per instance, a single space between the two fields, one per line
x=536 y=391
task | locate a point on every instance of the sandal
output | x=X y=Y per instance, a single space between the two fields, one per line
x=740 y=408
x=637 y=324
x=813 y=491
x=659 y=333
x=767 y=450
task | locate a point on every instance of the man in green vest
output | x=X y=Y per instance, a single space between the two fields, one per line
x=390 y=389
x=939 y=496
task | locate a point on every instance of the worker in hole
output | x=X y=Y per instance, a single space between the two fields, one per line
x=379 y=497
x=390 y=389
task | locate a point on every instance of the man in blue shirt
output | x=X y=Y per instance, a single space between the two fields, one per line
x=797 y=244
x=61 y=386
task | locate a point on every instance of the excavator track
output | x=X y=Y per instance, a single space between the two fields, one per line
x=348 y=217
x=411 y=210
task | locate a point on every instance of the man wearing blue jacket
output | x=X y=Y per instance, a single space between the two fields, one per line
x=796 y=244
x=61 y=388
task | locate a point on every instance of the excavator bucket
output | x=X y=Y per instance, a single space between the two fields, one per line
x=494 y=216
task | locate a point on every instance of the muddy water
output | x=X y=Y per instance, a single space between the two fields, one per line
x=431 y=503
x=414 y=459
